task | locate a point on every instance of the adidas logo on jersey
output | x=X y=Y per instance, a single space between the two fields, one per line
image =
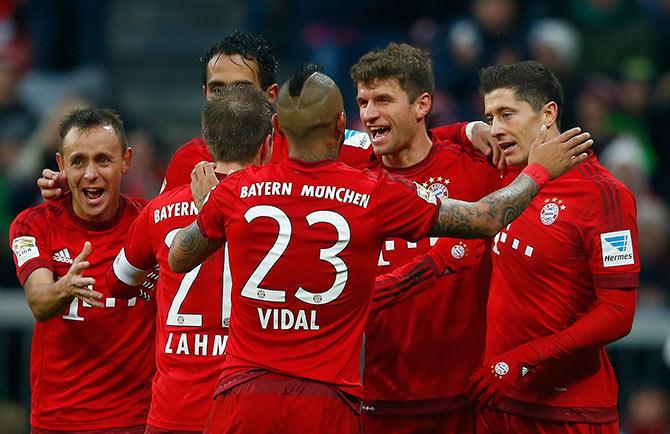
x=63 y=255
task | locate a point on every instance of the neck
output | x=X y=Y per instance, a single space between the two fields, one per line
x=551 y=133
x=316 y=150
x=412 y=153
x=227 y=167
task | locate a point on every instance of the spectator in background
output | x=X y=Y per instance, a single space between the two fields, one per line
x=634 y=98
x=146 y=178
x=556 y=44
x=16 y=125
x=595 y=103
x=612 y=30
x=648 y=412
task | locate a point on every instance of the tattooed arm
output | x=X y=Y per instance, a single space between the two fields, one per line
x=487 y=217
x=190 y=248
x=548 y=159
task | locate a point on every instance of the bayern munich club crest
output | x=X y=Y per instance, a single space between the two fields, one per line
x=550 y=211
x=438 y=186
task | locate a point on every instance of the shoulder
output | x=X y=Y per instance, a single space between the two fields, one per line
x=196 y=143
x=465 y=152
x=42 y=214
x=604 y=194
x=193 y=150
x=134 y=204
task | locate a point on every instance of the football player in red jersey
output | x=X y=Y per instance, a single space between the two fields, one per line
x=194 y=308
x=92 y=355
x=420 y=355
x=303 y=237
x=565 y=275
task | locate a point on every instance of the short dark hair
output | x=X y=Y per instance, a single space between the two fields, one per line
x=250 y=46
x=86 y=119
x=297 y=81
x=235 y=122
x=531 y=81
x=411 y=66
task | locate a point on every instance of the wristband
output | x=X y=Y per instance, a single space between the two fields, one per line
x=537 y=173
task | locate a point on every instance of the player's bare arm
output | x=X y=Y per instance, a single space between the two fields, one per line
x=488 y=216
x=47 y=298
x=190 y=247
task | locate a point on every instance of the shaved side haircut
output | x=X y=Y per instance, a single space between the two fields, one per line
x=308 y=104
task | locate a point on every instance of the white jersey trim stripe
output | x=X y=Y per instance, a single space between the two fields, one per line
x=126 y=272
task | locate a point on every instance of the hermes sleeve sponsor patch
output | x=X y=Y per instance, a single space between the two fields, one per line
x=25 y=248
x=617 y=248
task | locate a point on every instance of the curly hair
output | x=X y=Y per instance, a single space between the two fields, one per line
x=250 y=46
x=411 y=66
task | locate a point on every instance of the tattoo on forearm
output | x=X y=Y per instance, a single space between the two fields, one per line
x=488 y=216
x=193 y=247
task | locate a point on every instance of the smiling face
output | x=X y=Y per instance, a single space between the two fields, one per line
x=94 y=162
x=514 y=124
x=391 y=120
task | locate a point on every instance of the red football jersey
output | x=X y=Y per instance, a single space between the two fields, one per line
x=578 y=234
x=427 y=347
x=193 y=313
x=303 y=241
x=90 y=368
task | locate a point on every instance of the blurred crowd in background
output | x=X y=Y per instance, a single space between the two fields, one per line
x=612 y=57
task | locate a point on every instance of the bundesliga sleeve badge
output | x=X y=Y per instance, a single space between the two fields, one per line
x=25 y=249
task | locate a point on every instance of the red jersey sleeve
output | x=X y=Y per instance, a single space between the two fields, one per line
x=212 y=218
x=29 y=240
x=405 y=210
x=138 y=249
x=452 y=133
x=609 y=233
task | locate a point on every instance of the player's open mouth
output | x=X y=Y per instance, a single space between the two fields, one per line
x=93 y=195
x=378 y=133
x=507 y=147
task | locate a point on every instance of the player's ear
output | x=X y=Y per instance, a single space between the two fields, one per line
x=275 y=124
x=424 y=103
x=126 y=159
x=266 y=150
x=550 y=114
x=204 y=91
x=60 y=161
x=272 y=91
x=340 y=125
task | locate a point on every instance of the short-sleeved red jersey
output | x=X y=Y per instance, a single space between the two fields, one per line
x=90 y=368
x=427 y=348
x=303 y=244
x=193 y=313
x=578 y=234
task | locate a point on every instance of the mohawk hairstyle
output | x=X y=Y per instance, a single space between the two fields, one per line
x=250 y=46
x=297 y=82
